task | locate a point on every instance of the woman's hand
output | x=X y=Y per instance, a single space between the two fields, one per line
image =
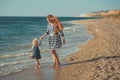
x=41 y=37
x=63 y=39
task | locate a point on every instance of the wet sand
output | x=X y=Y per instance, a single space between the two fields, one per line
x=98 y=59
x=47 y=72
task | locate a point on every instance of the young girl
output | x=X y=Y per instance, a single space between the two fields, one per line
x=36 y=53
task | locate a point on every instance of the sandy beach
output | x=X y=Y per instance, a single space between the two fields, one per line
x=98 y=59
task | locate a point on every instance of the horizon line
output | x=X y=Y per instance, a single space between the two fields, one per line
x=41 y=16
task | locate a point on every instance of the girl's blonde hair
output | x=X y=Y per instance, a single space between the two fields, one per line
x=56 y=23
x=35 y=42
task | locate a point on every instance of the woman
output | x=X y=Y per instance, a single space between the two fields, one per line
x=55 y=33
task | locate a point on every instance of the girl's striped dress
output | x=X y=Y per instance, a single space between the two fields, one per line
x=54 y=39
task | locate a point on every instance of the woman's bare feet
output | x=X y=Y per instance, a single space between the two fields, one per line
x=56 y=64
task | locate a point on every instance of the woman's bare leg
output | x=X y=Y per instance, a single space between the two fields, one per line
x=55 y=58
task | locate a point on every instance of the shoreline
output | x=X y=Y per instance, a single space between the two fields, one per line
x=97 y=59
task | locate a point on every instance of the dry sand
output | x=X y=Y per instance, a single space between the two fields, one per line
x=98 y=59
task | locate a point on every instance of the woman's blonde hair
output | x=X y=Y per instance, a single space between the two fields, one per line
x=35 y=42
x=56 y=23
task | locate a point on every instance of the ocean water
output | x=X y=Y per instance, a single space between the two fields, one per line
x=16 y=34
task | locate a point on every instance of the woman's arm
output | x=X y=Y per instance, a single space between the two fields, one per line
x=62 y=36
x=44 y=34
x=41 y=37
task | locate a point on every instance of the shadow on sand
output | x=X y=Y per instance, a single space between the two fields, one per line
x=94 y=59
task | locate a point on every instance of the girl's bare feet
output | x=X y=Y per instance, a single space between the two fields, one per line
x=38 y=66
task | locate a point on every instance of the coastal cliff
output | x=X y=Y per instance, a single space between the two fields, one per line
x=103 y=13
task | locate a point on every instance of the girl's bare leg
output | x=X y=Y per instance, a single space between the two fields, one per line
x=37 y=64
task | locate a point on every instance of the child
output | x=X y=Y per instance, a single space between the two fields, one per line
x=36 y=53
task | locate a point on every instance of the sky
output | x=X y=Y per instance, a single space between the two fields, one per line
x=56 y=7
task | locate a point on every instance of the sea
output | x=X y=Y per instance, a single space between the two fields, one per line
x=17 y=33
